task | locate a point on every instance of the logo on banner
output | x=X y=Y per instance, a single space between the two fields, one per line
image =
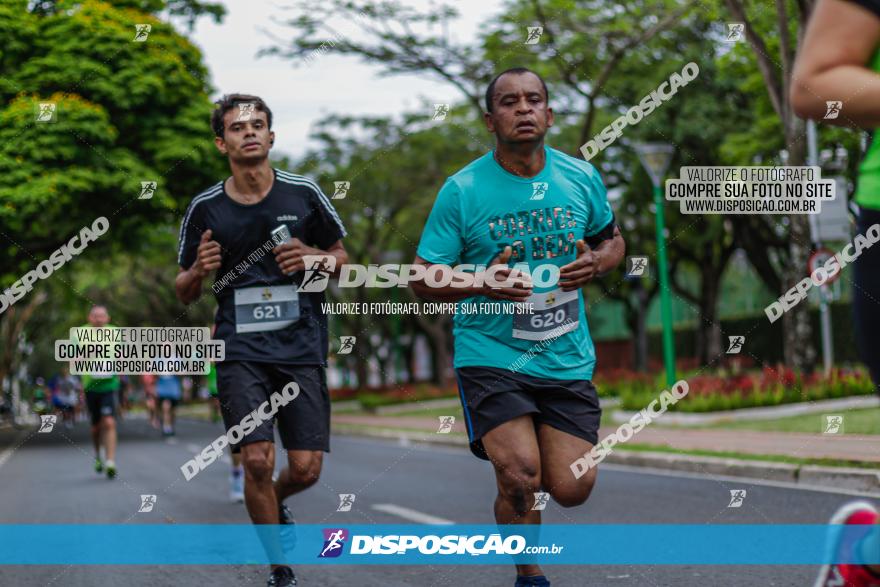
x=334 y=542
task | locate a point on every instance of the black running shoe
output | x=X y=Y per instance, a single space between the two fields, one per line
x=288 y=529
x=282 y=577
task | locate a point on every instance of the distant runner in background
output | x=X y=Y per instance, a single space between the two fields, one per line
x=169 y=392
x=148 y=380
x=65 y=396
x=101 y=390
x=40 y=397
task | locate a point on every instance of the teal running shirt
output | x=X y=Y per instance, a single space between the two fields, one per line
x=484 y=208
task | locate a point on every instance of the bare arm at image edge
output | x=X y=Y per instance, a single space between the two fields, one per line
x=834 y=64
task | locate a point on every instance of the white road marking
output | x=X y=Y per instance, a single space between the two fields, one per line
x=411 y=515
x=7 y=454
x=171 y=441
x=194 y=448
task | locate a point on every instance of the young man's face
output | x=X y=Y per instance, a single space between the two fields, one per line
x=246 y=137
x=519 y=109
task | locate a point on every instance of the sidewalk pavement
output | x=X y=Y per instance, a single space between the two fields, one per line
x=844 y=447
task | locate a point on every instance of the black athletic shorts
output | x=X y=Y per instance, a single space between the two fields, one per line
x=303 y=424
x=490 y=397
x=100 y=404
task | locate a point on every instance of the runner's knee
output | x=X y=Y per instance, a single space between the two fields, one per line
x=517 y=484
x=306 y=471
x=573 y=493
x=258 y=467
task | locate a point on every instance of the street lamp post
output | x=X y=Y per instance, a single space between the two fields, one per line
x=655 y=158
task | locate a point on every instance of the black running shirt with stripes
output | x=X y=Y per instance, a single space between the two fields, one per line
x=261 y=316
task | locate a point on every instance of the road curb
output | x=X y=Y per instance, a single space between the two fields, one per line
x=762 y=413
x=856 y=479
x=807 y=476
x=784 y=472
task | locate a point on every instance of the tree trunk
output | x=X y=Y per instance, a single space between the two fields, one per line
x=12 y=323
x=797 y=330
x=640 y=348
x=709 y=343
x=438 y=340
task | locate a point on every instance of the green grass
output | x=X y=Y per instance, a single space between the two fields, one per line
x=863 y=421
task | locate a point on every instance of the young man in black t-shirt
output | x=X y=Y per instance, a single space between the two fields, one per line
x=274 y=334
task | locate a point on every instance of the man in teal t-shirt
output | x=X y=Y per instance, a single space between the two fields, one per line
x=524 y=378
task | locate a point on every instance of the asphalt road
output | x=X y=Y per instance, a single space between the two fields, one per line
x=48 y=478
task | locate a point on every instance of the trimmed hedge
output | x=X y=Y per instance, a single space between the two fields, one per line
x=712 y=393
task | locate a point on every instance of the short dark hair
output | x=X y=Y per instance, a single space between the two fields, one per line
x=516 y=70
x=229 y=101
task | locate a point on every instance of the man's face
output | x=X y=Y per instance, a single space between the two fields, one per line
x=519 y=109
x=246 y=137
x=99 y=317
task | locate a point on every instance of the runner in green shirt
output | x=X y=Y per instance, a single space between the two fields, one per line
x=101 y=391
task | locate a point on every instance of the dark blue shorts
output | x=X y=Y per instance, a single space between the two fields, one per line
x=491 y=396
x=303 y=424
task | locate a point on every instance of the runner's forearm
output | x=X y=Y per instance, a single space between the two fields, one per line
x=447 y=293
x=610 y=253
x=188 y=285
x=810 y=96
